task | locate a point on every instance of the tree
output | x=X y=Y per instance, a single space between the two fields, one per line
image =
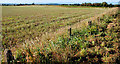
x=83 y=4
x=110 y=5
x=97 y=4
x=89 y=4
x=33 y=3
x=104 y=4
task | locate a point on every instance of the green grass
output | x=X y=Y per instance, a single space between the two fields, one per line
x=95 y=41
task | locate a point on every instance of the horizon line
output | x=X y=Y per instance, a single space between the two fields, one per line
x=61 y=3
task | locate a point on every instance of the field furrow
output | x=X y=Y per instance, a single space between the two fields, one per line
x=22 y=25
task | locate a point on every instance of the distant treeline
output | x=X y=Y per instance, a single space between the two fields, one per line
x=28 y=4
x=103 y=4
x=17 y=4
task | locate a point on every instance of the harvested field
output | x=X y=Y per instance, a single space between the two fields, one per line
x=28 y=22
x=41 y=34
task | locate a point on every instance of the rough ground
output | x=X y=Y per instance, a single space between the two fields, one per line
x=63 y=30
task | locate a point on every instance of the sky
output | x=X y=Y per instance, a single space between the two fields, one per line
x=58 y=1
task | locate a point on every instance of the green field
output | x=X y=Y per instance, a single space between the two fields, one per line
x=41 y=34
x=27 y=22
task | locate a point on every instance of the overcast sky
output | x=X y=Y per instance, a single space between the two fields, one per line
x=57 y=1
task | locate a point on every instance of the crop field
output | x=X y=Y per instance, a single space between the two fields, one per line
x=27 y=22
x=41 y=34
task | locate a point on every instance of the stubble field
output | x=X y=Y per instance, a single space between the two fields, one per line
x=28 y=22
x=41 y=34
